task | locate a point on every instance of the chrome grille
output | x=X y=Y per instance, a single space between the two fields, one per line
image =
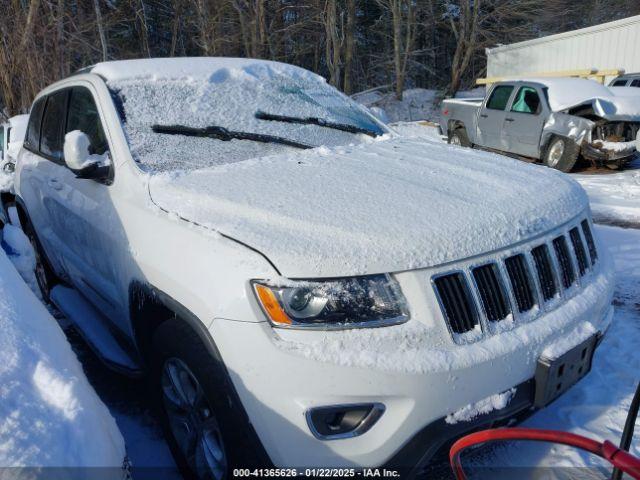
x=491 y=292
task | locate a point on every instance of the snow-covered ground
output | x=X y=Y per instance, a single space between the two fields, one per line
x=614 y=197
x=50 y=416
x=31 y=335
x=416 y=103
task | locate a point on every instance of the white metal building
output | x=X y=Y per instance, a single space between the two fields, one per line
x=609 y=46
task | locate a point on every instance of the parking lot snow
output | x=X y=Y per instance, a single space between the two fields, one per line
x=614 y=197
x=50 y=415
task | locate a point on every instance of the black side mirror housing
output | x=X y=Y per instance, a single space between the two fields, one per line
x=96 y=172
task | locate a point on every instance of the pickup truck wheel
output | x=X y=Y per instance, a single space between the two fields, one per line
x=45 y=276
x=459 y=137
x=561 y=154
x=205 y=432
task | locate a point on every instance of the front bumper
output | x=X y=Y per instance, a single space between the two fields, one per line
x=278 y=384
x=598 y=152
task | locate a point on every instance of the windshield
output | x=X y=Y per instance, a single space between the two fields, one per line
x=234 y=115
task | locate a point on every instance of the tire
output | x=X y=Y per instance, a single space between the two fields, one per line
x=204 y=419
x=561 y=153
x=45 y=275
x=459 y=137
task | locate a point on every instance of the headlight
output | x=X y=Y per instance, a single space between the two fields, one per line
x=368 y=301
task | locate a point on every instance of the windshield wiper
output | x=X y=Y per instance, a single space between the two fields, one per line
x=225 y=135
x=345 y=127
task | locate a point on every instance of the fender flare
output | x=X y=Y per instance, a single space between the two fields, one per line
x=182 y=313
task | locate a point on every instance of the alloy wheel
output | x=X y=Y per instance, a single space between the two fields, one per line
x=555 y=153
x=455 y=140
x=191 y=420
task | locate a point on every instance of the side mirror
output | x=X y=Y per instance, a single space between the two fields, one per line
x=83 y=163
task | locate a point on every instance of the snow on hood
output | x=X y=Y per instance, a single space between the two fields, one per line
x=565 y=93
x=50 y=416
x=387 y=206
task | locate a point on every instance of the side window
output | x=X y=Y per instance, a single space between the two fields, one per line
x=500 y=97
x=53 y=125
x=527 y=101
x=32 y=139
x=83 y=115
x=619 y=83
x=636 y=83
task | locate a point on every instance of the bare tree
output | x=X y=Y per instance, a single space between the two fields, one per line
x=403 y=28
x=101 y=30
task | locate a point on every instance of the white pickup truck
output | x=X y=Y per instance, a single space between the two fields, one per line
x=554 y=120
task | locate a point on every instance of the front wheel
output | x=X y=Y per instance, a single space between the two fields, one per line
x=561 y=153
x=204 y=427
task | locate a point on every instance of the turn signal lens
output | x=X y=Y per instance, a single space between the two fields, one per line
x=271 y=306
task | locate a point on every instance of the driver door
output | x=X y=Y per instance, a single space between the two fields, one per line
x=491 y=117
x=83 y=215
x=524 y=122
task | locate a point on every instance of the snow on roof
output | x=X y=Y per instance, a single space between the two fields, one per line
x=564 y=93
x=215 y=69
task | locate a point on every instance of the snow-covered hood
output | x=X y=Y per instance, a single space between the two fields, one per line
x=607 y=102
x=614 y=107
x=386 y=206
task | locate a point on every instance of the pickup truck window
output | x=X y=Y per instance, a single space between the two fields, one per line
x=527 y=101
x=500 y=97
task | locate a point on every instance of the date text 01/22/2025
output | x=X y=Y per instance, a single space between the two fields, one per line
x=316 y=472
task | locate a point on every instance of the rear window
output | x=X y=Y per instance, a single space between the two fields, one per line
x=32 y=139
x=53 y=125
x=500 y=97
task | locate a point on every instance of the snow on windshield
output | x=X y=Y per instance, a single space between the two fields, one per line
x=230 y=98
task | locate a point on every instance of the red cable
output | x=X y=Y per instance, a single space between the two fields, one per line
x=617 y=457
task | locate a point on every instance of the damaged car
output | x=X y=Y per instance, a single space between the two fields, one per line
x=554 y=120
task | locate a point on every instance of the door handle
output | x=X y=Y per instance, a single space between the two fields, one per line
x=54 y=183
x=484 y=115
x=509 y=119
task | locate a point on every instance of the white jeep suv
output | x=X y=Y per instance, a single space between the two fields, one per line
x=304 y=287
